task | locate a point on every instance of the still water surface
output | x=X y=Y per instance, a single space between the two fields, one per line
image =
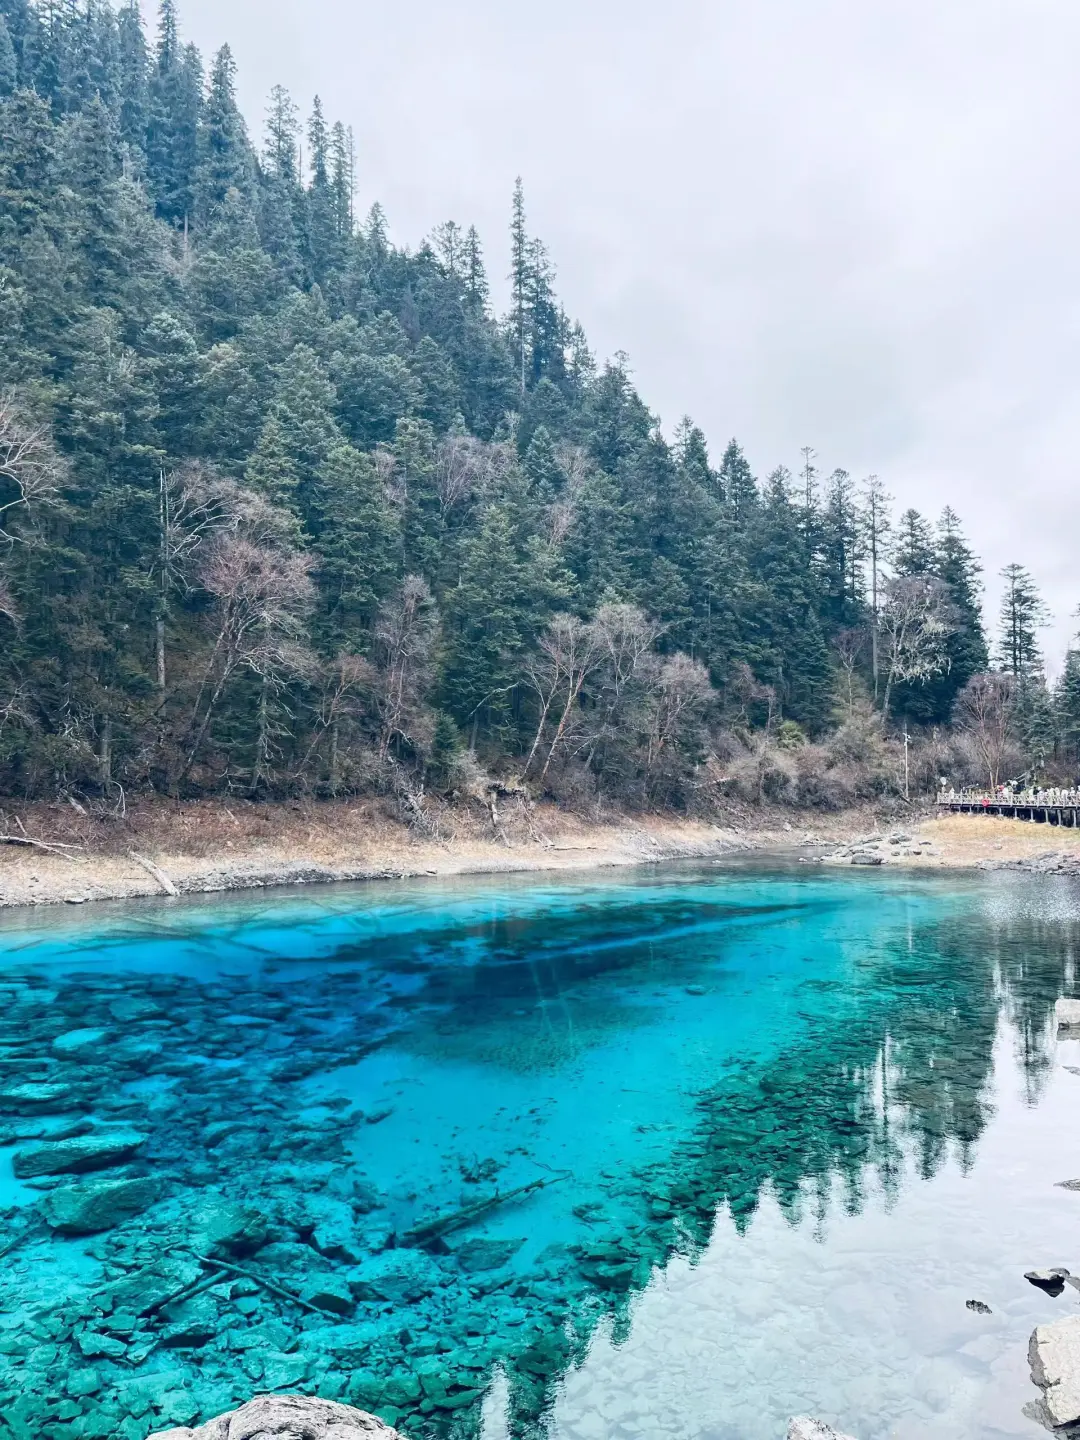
x=787 y=1124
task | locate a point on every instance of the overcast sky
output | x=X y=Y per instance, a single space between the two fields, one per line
x=841 y=224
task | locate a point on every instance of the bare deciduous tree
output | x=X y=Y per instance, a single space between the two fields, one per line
x=31 y=472
x=570 y=650
x=7 y=602
x=985 y=710
x=405 y=633
x=916 y=622
x=194 y=503
x=849 y=645
x=260 y=595
x=343 y=683
x=679 y=696
x=574 y=463
x=465 y=467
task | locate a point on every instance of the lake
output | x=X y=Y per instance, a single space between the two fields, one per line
x=675 y=1152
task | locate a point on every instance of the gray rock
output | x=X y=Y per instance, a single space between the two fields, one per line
x=1054 y=1357
x=79 y=1154
x=397 y=1276
x=1067 y=1015
x=1052 y=1281
x=72 y=1041
x=34 y=1097
x=484 y=1253
x=330 y=1293
x=143 y=1290
x=803 y=1428
x=97 y=1205
x=287 y=1417
x=216 y=1225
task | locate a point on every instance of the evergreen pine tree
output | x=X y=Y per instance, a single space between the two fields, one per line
x=1022 y=614
x=9 y=65
x=224 y=161
x=359 y=546
x=476 y=285
x=913 y=551
x=174 y=102
x=133 y=80
x=519 y=281
x=1067 y=709
x=738 y=488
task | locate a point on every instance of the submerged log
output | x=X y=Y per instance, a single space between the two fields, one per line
x=271 y=1285
x=430 y=1230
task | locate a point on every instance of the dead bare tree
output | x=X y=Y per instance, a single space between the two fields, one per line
x=31 y=471
x=465 y=467
x=261 y=596
x=343 y=683
x=194 y=504
x=849 y=645
x=679 y=695
x=570 y=650
x=986 y=713
x=405 y=633
x=7 y=603
x=575 y=465
x=916 y=622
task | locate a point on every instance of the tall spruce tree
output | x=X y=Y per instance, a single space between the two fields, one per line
x=174 y=103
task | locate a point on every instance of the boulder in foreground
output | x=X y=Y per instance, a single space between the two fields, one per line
x=1054 y=1357
x=287 y=1417
x=803 y=1428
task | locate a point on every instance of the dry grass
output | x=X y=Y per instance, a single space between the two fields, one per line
x=971 y=839
x=209 y=845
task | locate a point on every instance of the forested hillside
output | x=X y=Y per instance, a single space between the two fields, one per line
x=285 y=508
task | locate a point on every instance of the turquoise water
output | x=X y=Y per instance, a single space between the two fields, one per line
x=777 y=1127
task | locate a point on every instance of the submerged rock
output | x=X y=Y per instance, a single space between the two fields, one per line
x=38 y=1096
x=803 y=1428
x=96 y=1205
x=330 y=1293
x=77 y=1155
x=1054 y=1357
x=397 y=1276
x=486 y=1253
x=289 y=1417
x=217 y=1225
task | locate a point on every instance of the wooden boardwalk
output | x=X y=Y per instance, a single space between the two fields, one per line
x=1019 y=807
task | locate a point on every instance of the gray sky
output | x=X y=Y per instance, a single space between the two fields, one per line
x=843 y=224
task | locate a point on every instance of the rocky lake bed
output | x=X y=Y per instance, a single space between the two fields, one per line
x=441 y=1154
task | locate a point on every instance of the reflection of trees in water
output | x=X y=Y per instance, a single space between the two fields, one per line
x=890 y=1072
x=893 y=1076
x=898 y=1073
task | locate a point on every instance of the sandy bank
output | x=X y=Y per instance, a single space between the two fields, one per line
x=206 y=846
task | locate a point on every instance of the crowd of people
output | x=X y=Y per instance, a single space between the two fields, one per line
x=1016 y=792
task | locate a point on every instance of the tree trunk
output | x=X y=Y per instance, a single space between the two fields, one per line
x=161 y=653
x=105 y=753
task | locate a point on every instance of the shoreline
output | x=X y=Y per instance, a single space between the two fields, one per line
x=207 y=847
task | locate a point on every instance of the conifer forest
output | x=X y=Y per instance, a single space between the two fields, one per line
x=286 y=509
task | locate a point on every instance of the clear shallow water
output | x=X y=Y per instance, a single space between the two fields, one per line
x=789 y=1123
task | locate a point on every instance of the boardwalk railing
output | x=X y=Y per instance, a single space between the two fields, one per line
x=1043 y=807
